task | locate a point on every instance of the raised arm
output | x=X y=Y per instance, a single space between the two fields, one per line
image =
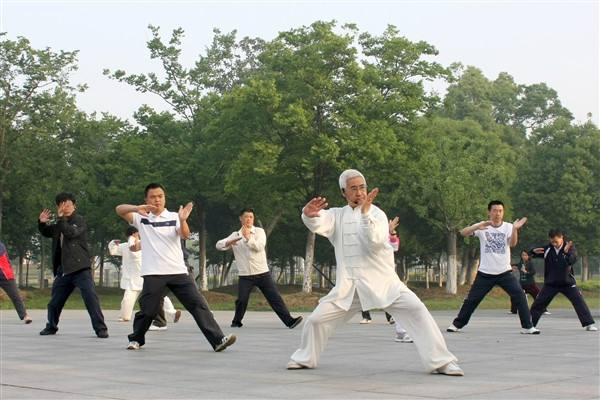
x=317 y=218
x=514 y=237
x=469 y=230
x=184 y=213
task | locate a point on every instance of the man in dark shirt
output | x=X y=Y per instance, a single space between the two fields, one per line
x=71 y=263
x=559 y=257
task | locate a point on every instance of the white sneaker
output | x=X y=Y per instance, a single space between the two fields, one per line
x=225 y=342
x=531 y=331
x=157 y=328
x=365 y=321
x=547 y=313
x=133 y=345
x=451 y=369
x=392 y=321
x=295 y=365
x=452 y=328
x=591 y=328
x=403 y=338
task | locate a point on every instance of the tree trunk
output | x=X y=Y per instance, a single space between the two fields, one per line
x=21 y=262
x=42 y=264
x=427 y=276
x=441 y=271
x=464 y=266
x=452 y=275
x=27 y=273
x=308 y=262
x=225 y=272
x=202 y=283
x=585 y=268
x=101 y=281
x=473 y=266
x=292 y=280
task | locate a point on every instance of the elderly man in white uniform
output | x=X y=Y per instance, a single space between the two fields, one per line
x=365 y=266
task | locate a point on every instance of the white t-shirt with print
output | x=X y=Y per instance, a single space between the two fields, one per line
x=161 y=245
x=495 y=250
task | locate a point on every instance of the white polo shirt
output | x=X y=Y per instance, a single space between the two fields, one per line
x=250 y=255
x=161 y=246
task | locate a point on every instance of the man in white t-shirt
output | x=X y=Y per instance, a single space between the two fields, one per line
x=496 y=237
x=248 y=245
x=163 y=267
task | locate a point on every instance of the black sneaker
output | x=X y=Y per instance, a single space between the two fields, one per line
x=236 y=324
x=47 y=331
x=295 y=322
x=102 y=334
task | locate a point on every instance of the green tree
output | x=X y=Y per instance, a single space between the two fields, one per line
x=34 y=93
x=456 y=168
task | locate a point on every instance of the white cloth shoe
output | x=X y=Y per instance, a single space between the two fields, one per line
x=295 y=365
x=157 y=328
x=133 y=345
x=365 y=321
x=403 y=338
x=591 y=328
x=531 y=331
x=452 y=328
x=451 y=369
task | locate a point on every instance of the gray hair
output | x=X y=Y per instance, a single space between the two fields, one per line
x=349 y=174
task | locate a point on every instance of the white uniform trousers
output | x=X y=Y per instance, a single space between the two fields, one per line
x=128 y=303
x=129 y=298
x=407 y=308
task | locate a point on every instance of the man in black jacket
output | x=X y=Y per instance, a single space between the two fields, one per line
x=71 y=263
x=559 y=258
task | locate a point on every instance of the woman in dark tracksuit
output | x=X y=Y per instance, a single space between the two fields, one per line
x=559 y=257
x=7 y=282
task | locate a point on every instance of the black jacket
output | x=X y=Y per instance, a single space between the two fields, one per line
x=558 y=268
x=74 y=254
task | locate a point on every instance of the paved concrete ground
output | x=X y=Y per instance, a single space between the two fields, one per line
x=361 y=362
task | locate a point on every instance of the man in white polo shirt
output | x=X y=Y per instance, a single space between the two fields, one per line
x=163 y=267
x=248 y=246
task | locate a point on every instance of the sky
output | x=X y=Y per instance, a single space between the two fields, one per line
x=555 y=42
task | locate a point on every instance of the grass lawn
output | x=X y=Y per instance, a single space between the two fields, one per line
x=223 y=298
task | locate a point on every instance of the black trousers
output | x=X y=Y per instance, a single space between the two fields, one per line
x=266 y=285
x=367 y=315
x=10 y=287
x=482 y=285
x=62 y=288
x=531 y=289
x=182 y=286
x=571 y=292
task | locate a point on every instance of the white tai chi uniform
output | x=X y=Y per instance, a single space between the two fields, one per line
x=131 y=279
x=365 y=266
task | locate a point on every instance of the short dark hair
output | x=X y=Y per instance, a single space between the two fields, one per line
x=131 y=230
x=64 y=196
x=153 y=185
x=495 y=203
x=247 y=209
x=555 y=232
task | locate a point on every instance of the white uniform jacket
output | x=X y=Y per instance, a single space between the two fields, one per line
x=131 y=266
x=364 y=256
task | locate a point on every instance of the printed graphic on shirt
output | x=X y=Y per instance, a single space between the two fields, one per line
x=495 y=242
